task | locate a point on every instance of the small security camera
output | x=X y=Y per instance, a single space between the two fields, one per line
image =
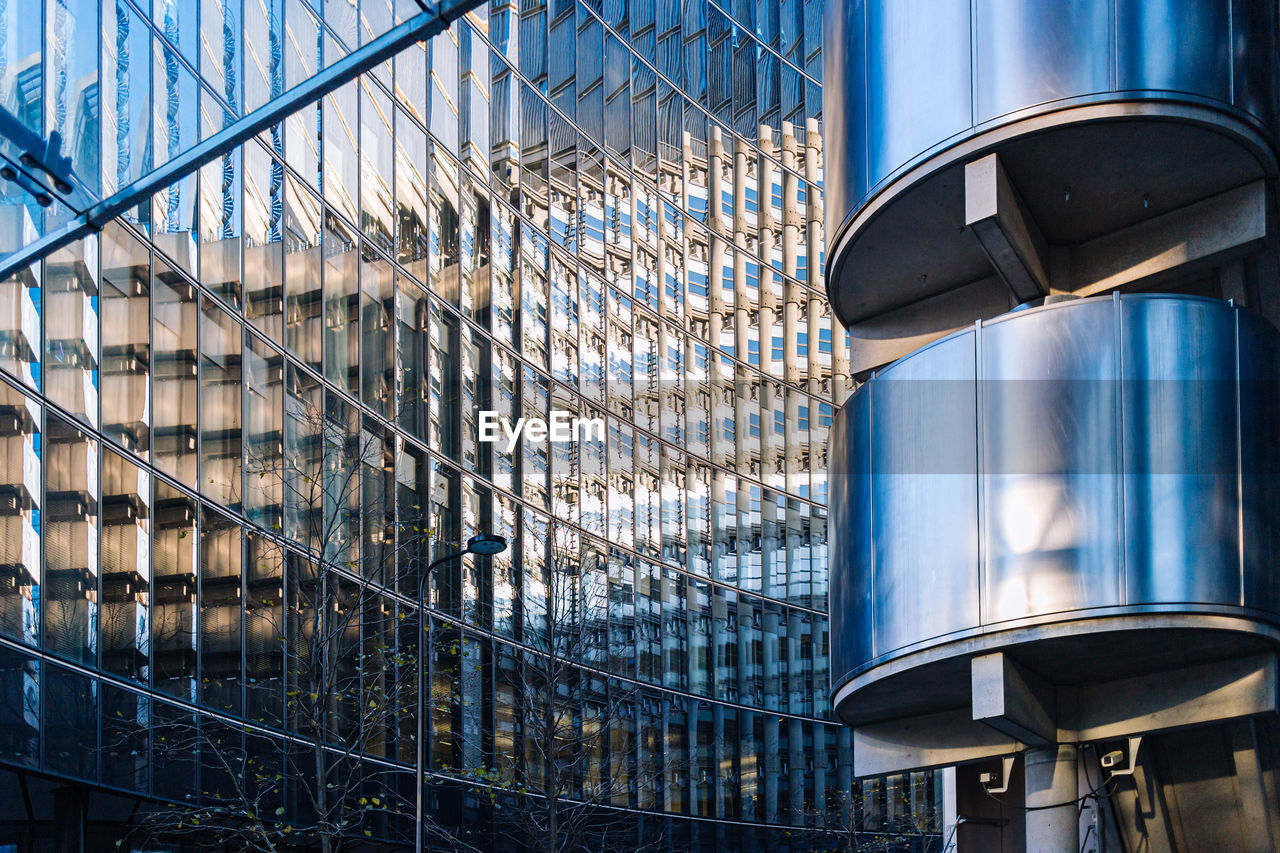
x=1122 y=762
x=997 y=783
x=1111 y=759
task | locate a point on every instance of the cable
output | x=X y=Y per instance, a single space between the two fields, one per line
x=1093 y=793
x=1077 y=801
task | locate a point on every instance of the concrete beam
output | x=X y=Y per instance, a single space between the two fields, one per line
x=1235 y=220
x=1012 y=701
x=1005 y=228
x=932 y=740
x=888 y=337
x=1204 y=693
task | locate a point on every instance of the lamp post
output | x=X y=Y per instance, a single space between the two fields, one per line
x=485 y=545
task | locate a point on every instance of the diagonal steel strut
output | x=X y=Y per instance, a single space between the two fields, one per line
x=434 y=19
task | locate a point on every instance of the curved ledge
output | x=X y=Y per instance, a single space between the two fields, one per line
x=1081 y=649
x=907 y=241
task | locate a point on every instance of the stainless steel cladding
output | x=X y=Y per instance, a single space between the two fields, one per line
x=1094 y=458
x=908 y=79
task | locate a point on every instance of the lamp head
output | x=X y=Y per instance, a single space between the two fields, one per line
x=486 y=544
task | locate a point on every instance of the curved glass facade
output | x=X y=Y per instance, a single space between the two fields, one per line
x=611 y=210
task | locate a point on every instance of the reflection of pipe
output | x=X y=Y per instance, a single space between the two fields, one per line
x=173 y=140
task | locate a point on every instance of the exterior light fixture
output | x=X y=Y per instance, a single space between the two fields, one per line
x=484 y=545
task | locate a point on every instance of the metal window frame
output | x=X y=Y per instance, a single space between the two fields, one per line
x=433 y=20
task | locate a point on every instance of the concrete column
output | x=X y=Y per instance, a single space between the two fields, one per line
x=772 y=767
x=1052 y=777
x=715 y=287
x=773 y=689
x=949 y=811
x=813 y=326
x=791 y=213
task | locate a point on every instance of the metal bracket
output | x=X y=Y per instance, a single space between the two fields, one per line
x=1006 y=771
x=1134 y=743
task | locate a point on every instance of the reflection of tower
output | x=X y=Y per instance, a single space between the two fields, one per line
x=123 y=138
x=172 y=126
x=1055 y=506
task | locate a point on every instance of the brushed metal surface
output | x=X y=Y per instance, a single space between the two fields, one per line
x=923 y=503
x=1049 y=443
x=1175 y=46
x=1014 y=70
x=918 y=78
x=1097 y=455
x=1181 y=508
x=911 y=75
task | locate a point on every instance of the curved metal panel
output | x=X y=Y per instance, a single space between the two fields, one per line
x=1085 y=456
x=918 y=80
x=1179 y=410
x=1049 y=443
x=1174 y=46
x=916 y=75
x=924 y=503
x=1259 y=359
x=850 y=542
x=845 y=104
x=1014 y=70
x=1253 y=77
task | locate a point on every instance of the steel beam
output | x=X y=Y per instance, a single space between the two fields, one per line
x=420 y=27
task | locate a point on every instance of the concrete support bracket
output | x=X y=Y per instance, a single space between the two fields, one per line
x=1233 y=221
x=1005 y=228
x=1012 y=701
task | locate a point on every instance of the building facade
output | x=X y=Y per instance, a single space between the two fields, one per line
x=1053 y=494
x=274 y=371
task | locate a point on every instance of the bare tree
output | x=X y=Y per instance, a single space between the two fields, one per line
x=340 y=654
x=905 y=820
x=560 y=789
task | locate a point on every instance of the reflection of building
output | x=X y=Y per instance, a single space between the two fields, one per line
x=1054 y=494
x=612 y=211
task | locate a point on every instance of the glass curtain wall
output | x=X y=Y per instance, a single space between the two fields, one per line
x=606 y=208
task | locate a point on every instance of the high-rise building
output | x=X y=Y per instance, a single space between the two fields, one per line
x=1054 y=493
x=240 y=418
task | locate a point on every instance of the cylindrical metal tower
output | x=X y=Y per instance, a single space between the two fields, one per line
x=1056 y=530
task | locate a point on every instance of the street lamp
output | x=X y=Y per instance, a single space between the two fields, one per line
x=485 y=545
